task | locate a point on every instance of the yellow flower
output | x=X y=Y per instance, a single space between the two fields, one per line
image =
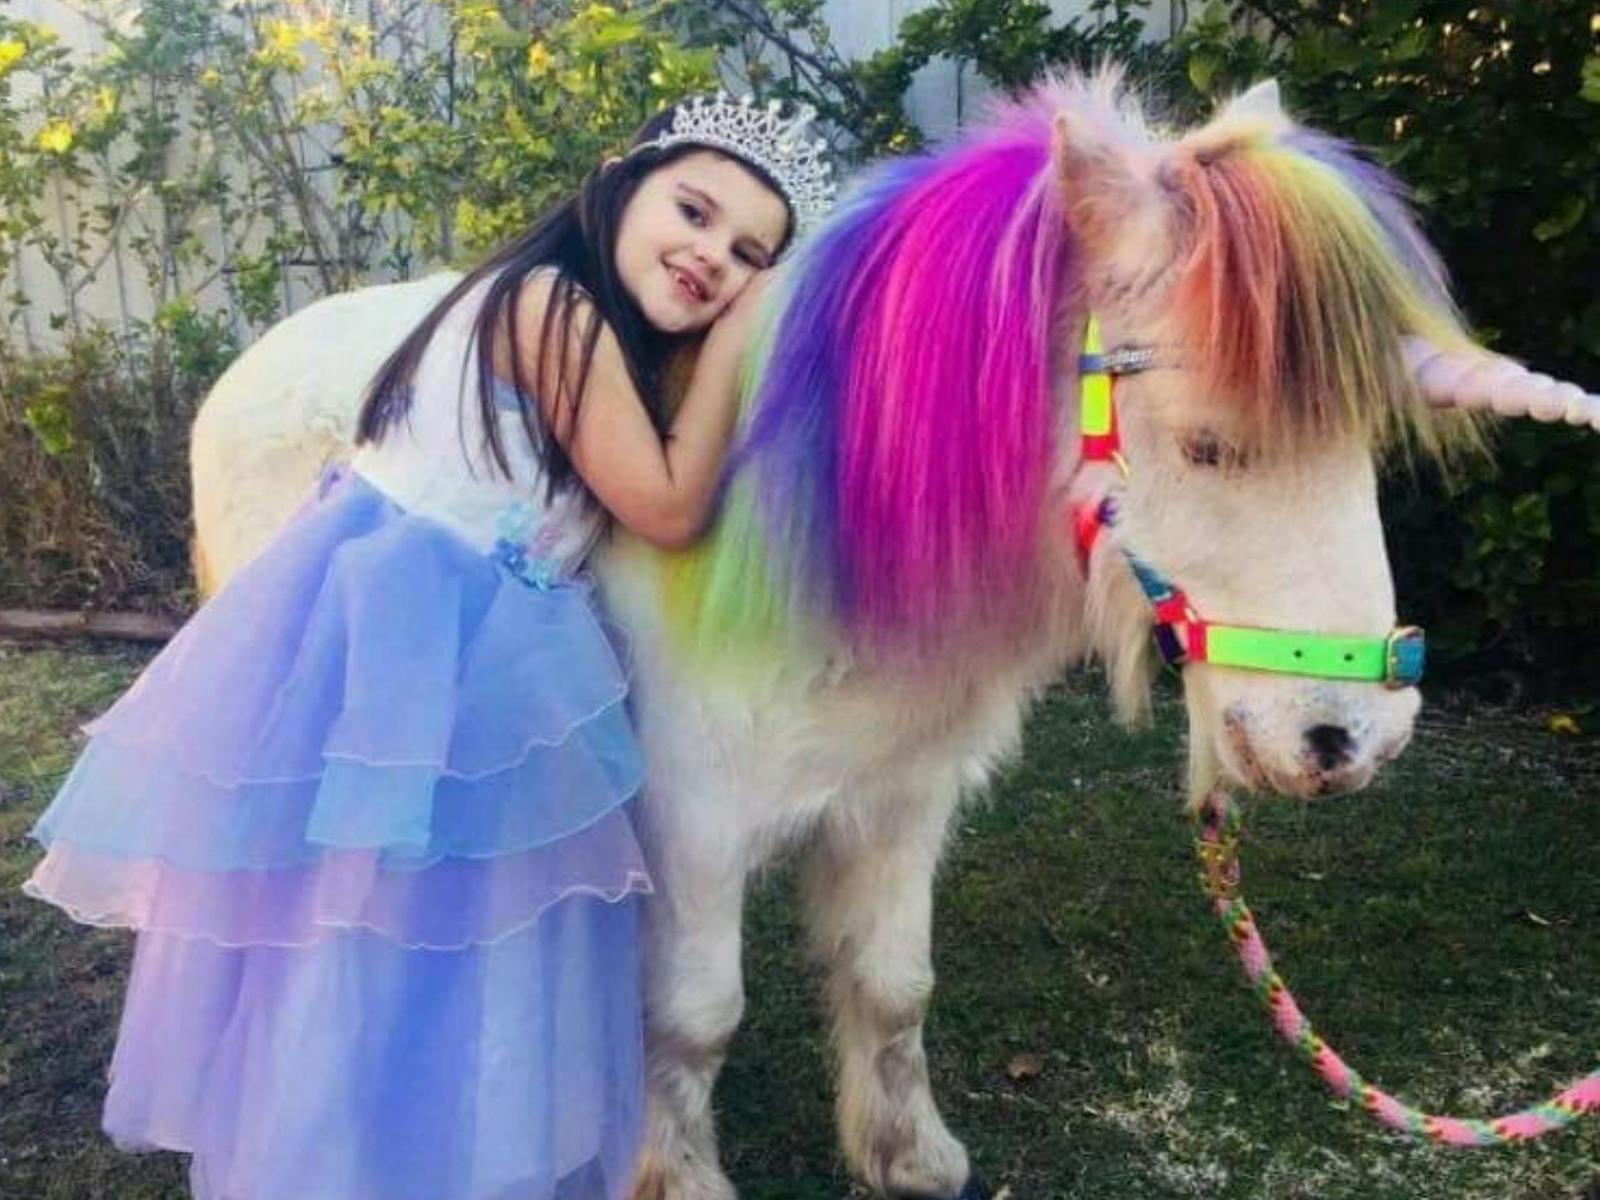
x=10 y=51
x=539 y=59
x=56 y=137
x=210 y=77
x=282 y=35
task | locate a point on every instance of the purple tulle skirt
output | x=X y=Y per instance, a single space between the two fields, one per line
x=368 y=814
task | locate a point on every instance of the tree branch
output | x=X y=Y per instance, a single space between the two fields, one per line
x=756 y=15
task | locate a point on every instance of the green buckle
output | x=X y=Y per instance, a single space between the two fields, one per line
x=1404 y=653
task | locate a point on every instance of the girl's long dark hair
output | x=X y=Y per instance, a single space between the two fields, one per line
x=577 y=237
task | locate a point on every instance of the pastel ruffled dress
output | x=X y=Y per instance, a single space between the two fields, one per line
x=368 y=814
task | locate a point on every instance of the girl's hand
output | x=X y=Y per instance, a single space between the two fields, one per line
x=733 y=326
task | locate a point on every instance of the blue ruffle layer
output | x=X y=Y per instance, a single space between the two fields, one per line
x=370 y=682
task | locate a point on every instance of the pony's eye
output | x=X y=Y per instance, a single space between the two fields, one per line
x=1206 y=449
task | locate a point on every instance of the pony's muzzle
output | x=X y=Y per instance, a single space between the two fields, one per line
x=1324 y=740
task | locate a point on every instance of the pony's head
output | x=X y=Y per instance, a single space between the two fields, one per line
x=1280 y=288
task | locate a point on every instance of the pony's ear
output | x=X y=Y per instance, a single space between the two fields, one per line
x=1256 y=113
x=1254 y=116
x=1096 y=180
x=1261 y=101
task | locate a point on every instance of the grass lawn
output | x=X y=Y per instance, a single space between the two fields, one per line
x=1442 y=930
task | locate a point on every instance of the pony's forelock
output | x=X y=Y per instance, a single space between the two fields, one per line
x=1304 y=271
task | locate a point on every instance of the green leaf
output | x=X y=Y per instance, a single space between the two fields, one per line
x=1203 y=71
x=1409 y=45
x=1590 y=90
x=611 y=33
x=1564 y=220
x=51 y=422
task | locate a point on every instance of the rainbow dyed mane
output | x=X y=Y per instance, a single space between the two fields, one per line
x=892 y=473
x=1304 y=268
x=890 y=488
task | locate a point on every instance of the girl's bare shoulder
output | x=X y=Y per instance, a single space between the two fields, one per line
x=528 y=307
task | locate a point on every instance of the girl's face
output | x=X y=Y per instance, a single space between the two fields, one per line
x=691 y=237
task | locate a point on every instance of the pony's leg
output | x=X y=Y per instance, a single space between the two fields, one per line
x=694 y=998
x=869 y=892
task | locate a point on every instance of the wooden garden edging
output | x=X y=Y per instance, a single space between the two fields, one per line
x=126 y=626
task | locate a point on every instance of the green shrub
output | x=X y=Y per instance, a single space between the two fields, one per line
x=94 y=480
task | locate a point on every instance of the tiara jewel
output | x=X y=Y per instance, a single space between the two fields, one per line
x=779 y=145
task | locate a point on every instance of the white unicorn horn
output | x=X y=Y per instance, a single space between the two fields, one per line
x=1479 y=379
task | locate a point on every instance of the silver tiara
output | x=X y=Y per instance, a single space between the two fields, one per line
x=779 y=145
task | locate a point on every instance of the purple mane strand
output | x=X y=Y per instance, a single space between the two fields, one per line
x=791 y=444
x=903 y=434
x=1387 y=200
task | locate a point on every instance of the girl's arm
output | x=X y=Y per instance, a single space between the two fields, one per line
x=660 y=491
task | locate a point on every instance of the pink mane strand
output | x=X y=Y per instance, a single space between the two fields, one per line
x=946 y=437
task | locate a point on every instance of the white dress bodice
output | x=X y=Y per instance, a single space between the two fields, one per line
x=434 y=462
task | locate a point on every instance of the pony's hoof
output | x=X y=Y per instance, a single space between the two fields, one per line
x=973 y=1189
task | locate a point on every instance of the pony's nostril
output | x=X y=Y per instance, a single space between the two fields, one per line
x=1331 y=745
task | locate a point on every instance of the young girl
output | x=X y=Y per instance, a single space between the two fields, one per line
x=367 y=810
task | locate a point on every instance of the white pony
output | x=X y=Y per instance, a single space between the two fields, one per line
x=919 y=535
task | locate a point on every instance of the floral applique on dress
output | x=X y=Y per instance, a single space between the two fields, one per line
x=526 y=544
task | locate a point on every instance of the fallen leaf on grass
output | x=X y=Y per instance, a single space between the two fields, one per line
x=1024 y=1067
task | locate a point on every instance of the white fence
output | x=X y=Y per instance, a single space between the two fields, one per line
x=940 y=97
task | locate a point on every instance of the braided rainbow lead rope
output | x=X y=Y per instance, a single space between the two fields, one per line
x=1218 y=849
